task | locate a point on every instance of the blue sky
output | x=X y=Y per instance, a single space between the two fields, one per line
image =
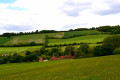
x=29 y=15
x=7 y=1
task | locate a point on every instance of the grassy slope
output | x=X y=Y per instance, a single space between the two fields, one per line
x=38 y=38
x=97 y=68
x=87 y=38
x=3 y=40
x=7 y=50
x=72 y=33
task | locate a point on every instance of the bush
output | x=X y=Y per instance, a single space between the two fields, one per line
x=98 y=51
x=115 y=40
x=108 y=48
x=84 y=48
x=69 y=50
x=78 y=54
x=1 y=60
x=28 y=53
x=116 y=51
x=32 y=44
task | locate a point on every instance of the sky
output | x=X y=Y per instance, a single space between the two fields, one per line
x=31 y=15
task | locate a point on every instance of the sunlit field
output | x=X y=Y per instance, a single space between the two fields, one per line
x=97 y=68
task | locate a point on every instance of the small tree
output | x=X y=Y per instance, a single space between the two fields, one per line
x=28 y=53
x=69 y=50
x=98 y=51
x=46 y=40
x=84 y=48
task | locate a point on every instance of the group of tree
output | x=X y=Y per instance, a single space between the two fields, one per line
x=27 y=33
x=110 y=29
x=16 y=58
x=7 y=34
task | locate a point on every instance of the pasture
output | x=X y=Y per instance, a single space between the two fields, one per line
x=82 y=33
x=86 y=39
x=37 y=38
x=96 y=68
x=3 y=40
x=10 y=50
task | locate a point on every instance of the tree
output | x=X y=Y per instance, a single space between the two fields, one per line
x=115 y=40
x=108 y=48
x=69 y=50
x=28 y=53
x=46 y=40
x=84 y=48
x=98 y=51
x=32 y=44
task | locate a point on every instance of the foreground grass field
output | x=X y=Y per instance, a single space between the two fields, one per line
x=97 y=68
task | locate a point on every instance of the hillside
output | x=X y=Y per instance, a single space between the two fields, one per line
x=89 y=36
x=97 y=68
x=37 y=38
x=86 y=39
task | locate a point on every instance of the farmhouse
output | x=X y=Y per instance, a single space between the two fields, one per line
x=62 y=57
x=57 y=58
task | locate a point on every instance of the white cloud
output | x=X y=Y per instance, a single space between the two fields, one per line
x=55 y=14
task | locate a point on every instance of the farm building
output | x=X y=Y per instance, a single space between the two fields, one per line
x=62 y=57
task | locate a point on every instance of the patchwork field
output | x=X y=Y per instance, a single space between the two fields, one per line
x=97 y=68
x=10 y=50
x=86 y=39
x=37 y=38
x=82 y=33
x=3 y=40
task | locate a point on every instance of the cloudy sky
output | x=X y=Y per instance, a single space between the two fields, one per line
x=29 y=15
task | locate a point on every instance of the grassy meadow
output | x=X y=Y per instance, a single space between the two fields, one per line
x=75 y=33
x=4 y=40
x=37 y=38
x=96 y=68
x=86 y=39
x=10 y=50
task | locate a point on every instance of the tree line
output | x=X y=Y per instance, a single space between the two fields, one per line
x=109 y=29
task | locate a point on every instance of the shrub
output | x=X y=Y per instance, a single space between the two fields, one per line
x=115 y=40
x=84 y=48
x=27 y=53
x=98 y=51
x=69 y=50
x=108 y=48
x=116 y=51
x=1 y=60
x=32 y=44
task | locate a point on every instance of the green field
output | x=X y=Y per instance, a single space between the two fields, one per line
x=3 y=40
x=82 y=33
x=96 y=68
x=86 y=39
x=10 y=50
x=37 y=38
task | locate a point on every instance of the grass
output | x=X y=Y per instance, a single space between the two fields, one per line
x=75 y=33
x=86 y=39
x=97 y=68
x=4 y=40
x=37 y=38
x=7 y=50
